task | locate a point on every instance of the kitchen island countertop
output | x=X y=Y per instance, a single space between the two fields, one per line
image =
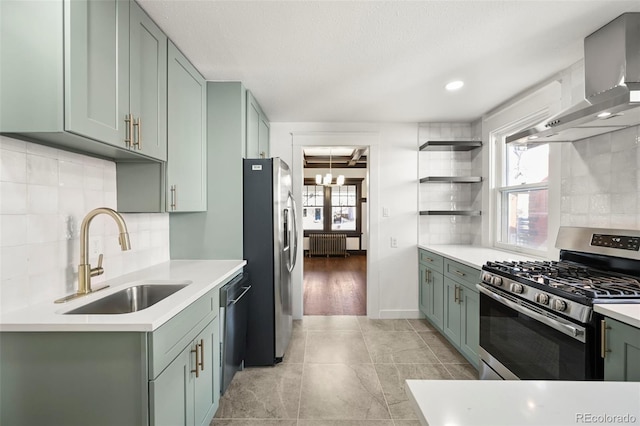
x=474 y=256
x=524 y=402
x=203 y=275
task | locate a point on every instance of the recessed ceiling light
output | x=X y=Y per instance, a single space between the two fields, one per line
x=454 y=85
x=532 y=137
x=603 y=114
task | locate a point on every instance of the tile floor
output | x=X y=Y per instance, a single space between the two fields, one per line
x=343 y=371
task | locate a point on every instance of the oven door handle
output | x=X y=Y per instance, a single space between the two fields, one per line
x=571 y=331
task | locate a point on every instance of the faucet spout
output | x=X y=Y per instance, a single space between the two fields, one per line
x=85 y=272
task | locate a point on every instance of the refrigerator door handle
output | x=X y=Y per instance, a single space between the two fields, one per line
x=295 y=232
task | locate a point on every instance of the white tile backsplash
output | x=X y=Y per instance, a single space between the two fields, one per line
x=447 y=196
x=44 y=195
x=601 y=181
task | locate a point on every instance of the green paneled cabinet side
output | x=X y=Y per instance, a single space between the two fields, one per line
x=187 y=135
x=470 y=324
x=622 y=351
x=257 y=145
x=69 y=378
x=452 y=311
x=67 y=80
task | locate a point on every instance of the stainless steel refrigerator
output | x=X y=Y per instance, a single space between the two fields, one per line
x=270 y=245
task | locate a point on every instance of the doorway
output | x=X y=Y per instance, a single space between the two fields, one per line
x=335 y=226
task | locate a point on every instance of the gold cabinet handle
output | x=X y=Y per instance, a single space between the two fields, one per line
x=137 y=141
x=198 y=362
x=462 y=274
x=201 y=355
x=174 y=197
x=429 y=259
x=456 y=294
x=128 y=130
x=427 y=275
x=603 y=339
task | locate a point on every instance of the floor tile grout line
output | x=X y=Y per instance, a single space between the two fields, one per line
x=378 y=378
x=304 y=359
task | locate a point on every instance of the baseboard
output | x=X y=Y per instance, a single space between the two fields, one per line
x=400 y=314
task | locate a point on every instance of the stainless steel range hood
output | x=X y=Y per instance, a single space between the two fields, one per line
x=612 y=87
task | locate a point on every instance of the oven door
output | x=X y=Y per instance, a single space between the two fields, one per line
x=519 y=340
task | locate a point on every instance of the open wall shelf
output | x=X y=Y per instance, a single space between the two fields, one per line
x=450 y=145
x=450 y=213
x=451 y=179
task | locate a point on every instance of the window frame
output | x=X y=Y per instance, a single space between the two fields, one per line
x=500 y=190
x=327 y=209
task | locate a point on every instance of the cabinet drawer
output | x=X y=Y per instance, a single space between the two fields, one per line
x=461 y=273
x=168 y=341
x=432 y=260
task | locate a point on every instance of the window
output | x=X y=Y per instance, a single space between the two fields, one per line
x=312 y=207
x=523 y=197
x=343 y=208
x=332 y=208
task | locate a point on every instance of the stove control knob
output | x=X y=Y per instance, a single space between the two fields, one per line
x=517 y=288
x=542 y=298
x=486 y=277
x=497 y=281
x=559 y=305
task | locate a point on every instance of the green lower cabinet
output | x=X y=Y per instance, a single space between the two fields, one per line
x=470 y=325
x=622 y=357
x=452 y=314
x=180 y=397
x=171 y=394
x=431 y=295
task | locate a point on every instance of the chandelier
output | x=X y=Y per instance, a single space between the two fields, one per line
x=327 y=179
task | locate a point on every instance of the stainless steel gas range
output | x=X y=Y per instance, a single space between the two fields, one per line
x=536 y=318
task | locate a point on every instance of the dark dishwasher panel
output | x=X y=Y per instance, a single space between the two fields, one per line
x=234 y=310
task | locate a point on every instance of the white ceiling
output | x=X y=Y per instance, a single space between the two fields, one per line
x=371 y=61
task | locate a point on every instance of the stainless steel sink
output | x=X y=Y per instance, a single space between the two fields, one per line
x=131 y=299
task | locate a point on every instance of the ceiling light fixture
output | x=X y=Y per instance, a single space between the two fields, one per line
x=328 y=178
x=454 y=85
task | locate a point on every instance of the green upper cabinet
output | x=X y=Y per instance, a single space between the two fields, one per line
x=86 y=75
x=621 y=351
x=187 y=135
x=148 y=91
x=257 y=145
x=96 y=52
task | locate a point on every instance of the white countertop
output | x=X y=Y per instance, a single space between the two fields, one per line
x=474 y=256
x=627 y=313
x=203 y=274
x=515 y=402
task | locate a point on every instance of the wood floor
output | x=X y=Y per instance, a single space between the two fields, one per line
x=335 y=285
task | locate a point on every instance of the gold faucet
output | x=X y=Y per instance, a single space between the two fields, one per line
x=85 y=271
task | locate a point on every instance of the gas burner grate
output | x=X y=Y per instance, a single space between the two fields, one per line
x=571 y=278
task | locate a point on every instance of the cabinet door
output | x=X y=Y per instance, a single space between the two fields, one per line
x=148 y=85
x=436 y=304
x=97 y=69
x=423 y=289
x=469 y=323
x=257 y=144
x=622 y=361
x=207 y=386
x=186 y=123
x=263 y=137
x=171 y=393
x=452 y=307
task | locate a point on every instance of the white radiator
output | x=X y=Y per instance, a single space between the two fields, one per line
x=328 y=244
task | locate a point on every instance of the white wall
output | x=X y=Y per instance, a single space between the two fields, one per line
x=44 y=195
x=391 y=272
